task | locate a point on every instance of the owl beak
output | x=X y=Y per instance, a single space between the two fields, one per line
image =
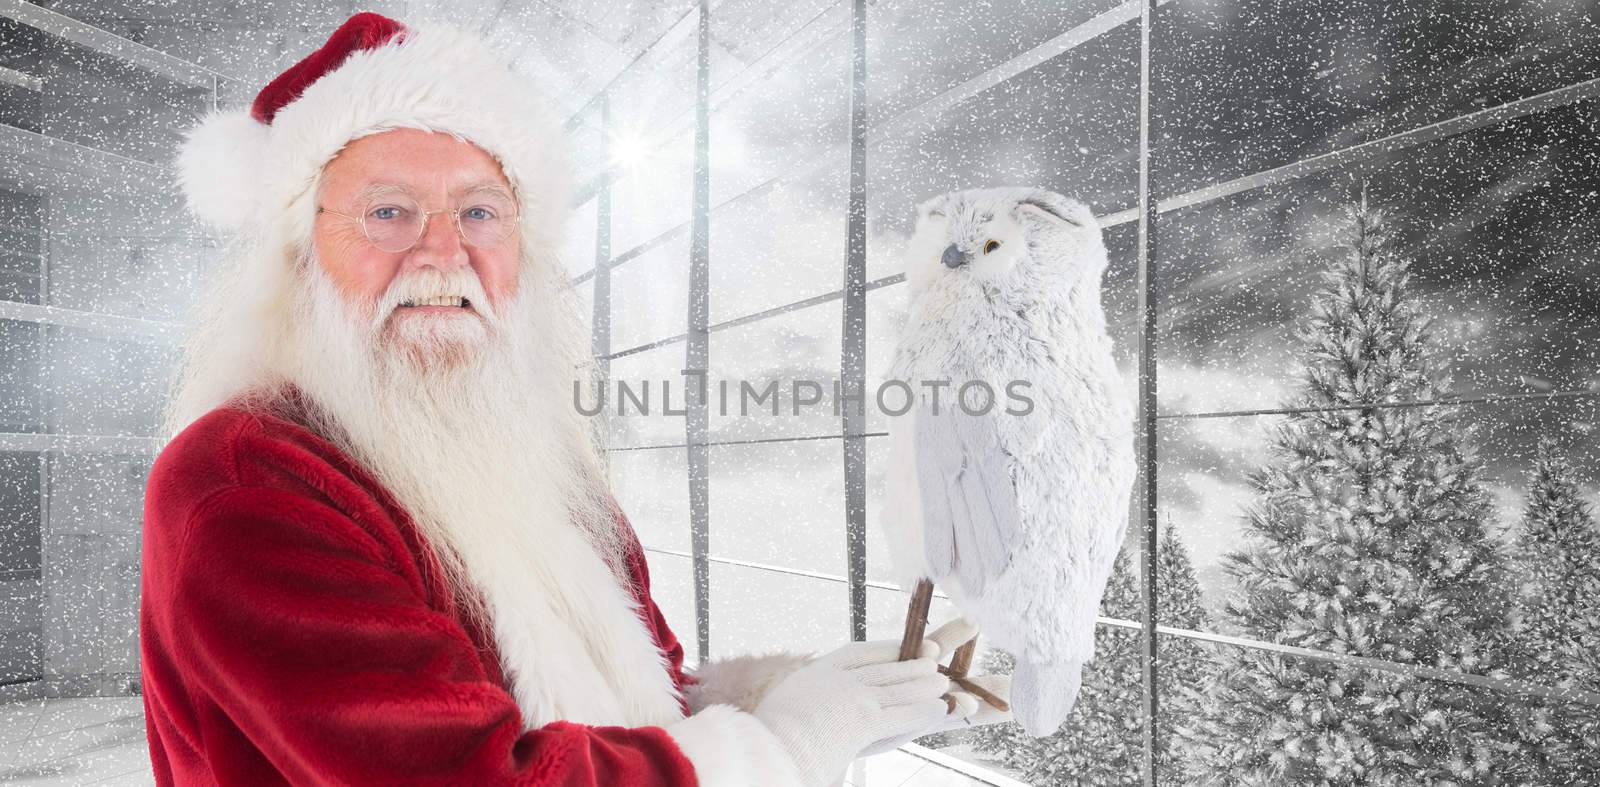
x=954 y=257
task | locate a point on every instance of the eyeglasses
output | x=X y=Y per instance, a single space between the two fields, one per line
x=395 y=222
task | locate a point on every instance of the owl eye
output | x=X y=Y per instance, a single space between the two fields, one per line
x=991 y=246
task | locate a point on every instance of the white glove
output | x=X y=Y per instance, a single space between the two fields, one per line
x=998 y=685
x=825 y=712
x=970 y=710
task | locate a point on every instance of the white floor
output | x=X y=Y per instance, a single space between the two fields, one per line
x=94 y=740
x=101 y=741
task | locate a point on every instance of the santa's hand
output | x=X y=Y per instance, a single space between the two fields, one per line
x=953 y=634
x=826 y=711
x=999 y=686
x=971 y=711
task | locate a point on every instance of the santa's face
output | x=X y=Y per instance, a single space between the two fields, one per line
x=436 y=301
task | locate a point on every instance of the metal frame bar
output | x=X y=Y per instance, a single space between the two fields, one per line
x=59 y=154
x=696 y=353
x=1404 y=140
x=115 y=325
x=601 y=300
x=977 y=773
x=37 y=671
x=1507 y=686
x=109 y=43
x=1443 y=401
x=22 y=80
x=1149 y=540
x=29 y=442
x=1440 y=402
x=853 y=344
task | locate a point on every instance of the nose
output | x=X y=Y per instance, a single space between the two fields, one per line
x=954 y=257
x=440 y=244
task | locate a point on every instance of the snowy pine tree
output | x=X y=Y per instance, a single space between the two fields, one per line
x=1183 y=662
x=1368 y=537
x=1558 y=571
x=1557 y=565
x=1101 y=742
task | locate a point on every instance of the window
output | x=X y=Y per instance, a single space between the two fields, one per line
x=1468 y=125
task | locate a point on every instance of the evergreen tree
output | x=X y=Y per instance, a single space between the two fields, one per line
x=1101 y=743
x=1183 y=662
x=1558 y=568
x=1557 y=561
x=1368 y=537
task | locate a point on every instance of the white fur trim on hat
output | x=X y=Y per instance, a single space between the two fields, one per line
x=438 y=78
x=216 y=167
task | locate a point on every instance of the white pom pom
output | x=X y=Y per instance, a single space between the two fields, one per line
x=217 y=168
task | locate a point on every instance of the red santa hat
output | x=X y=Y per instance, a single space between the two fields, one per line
x=256 y=169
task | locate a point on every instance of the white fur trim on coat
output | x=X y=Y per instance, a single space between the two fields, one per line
x=731 y=748
x=438 y=78
x=740 y=681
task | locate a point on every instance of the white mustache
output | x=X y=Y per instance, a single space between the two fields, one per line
x=432 y=282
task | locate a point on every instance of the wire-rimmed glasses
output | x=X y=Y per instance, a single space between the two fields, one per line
x=394 y=221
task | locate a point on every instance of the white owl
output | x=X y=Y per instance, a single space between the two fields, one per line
x=1017 y=512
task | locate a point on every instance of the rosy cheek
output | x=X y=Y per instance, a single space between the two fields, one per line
x=367 y=273
x=499 y=277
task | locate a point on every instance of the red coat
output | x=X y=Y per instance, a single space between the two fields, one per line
x=289 y=634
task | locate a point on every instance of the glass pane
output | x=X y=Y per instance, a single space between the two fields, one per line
x=779 y=373
x=21 y=589
x=927 y=47
x=92 y=99
x=650 y=296
x=583 y=294
x=641 y=414
x=783 y=123
x=650 y=193
x=577 y=253
x=1395 y=536
x=754 y=611
x=1243 y=716
x=1069 y=125
x=780 y=504
x=92 y=576
x=77 y=366
x=139 y=256
x=1242 y=87
x=672 y=588
x=21 y=399
x=23 y=245
x=781 y=244
x=652 y=487
x=1499 y=228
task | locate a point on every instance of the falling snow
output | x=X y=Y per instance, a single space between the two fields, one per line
x=1471 y=125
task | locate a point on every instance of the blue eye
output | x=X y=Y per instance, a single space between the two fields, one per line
x=478 y=213
x=385 y=213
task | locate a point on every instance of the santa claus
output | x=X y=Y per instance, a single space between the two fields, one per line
x=378 y=544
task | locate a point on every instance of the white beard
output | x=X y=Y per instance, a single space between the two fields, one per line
x=445 y=409
x=470 y=426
